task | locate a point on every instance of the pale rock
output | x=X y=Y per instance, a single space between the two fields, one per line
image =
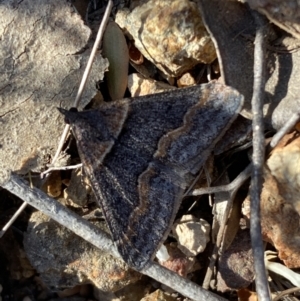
x=186 y=80
x=162 y=254
x=170 y=34
x=158 y=295
x=138 y=85
x=192 y=234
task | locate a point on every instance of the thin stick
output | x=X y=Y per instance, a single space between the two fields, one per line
x=17 y=213
x=231 y=187
x=61 y=142
x=85 y=74
x=286 y=292
x=60 y=168
x=13 y=218
x=93 y=53
x=261 y=281
x=285 y=129
x=100 y=239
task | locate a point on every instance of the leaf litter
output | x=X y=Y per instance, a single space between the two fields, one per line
x=42 y=92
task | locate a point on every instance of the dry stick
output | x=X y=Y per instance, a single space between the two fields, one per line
x=86 y=74
x=17 y=213
x=100 y=239
x=286 y=292
x=79 y=165
x=13 y=218
x=285 y=129
x=232 y=189
x=258 y=159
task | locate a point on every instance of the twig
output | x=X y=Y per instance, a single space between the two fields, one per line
x=210 y=272
x=286 y=292
x=60 y=168
x=285 y=129
x=85 y=74
x=17 y=213
x=100 y=239
x=258 y=159
x=93 y=53
x=283 y=271
x=13 y=218
x=61 y=142
x=231 y=187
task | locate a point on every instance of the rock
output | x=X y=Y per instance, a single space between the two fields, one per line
x=283 y=168
x=192 y=234
x=158 y=295
x=135 y=291
x=280 y=206
x=162 y=254
x=105 y=296
x=42 y=60
x=179 y=262
x=236 y=268
x=53 y=184
x=281 y=84
x=79 y=189
x=280 y=200
x=138 y=85
x=64 y=260
x=186 y=80
x=170 y=34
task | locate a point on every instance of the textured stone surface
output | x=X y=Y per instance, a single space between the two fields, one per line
x=192 y=234
x=285 y=168
x=158 y=295
x=79 y=188
x=40 y=70
x=64 y=260
x=170 y=34
x=236 y=268
x=178 y=262
x=53 y=184
x=138 y=85
x=280 y=201
x=283 y=84
x=186 y=80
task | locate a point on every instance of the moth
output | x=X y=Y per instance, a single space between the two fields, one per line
x=141 y=154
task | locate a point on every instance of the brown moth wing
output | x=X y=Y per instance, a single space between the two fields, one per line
x=139 y=162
